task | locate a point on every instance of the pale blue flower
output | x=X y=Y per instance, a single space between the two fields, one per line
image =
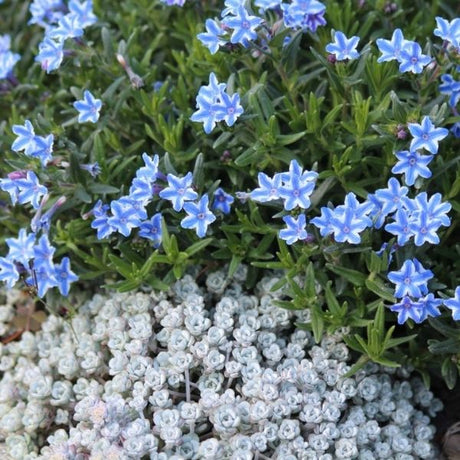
x=198 y=216
x=88 y=107
x=342 y=47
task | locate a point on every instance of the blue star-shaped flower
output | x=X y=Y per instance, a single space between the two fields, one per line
x=411 y=279
x=454 y=304
x=8 y=272
x=391 y=49
x=43 y=254
x=88 y=107
x=295 y=229
x=124 y=218
x=451 y=88
x=229 y=109
x=390 y=197
x=198 y=216
x=412 y=59
x=407 y=308
x=342 y=47
x=68 y=27
x=435 y=208
x=30 y=190
x=323 y=222
x=211 y=38
x=84 y=11
x=400 y=227
x=21 y=249
x=244 y=26
x=449 y=31
x=268 y=189
x=50 y=54
x=222 y=201
x=426 y=136
x=429 y=307
x=346 y=225
x=179 y=190
x=26 y=138
x=412 y=165
x=151 y=229
x=64 y=276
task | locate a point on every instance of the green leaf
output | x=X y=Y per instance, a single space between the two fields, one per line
x=377 y=287
x=198 y=246
x=317 y=323
x=449 y=371
x=355 y=277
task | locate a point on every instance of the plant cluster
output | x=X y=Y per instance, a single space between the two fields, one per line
x=201 y=373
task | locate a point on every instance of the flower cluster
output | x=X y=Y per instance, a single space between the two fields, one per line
x=8 y=59
x=294 y=188
x=214 y=105
x=408 y=53
x=129 y=211
x=61 y=22
x=200 y=374
x=34 y=260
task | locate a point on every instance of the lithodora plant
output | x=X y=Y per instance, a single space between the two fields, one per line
x=319 y=138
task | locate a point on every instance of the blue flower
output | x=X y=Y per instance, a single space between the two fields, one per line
x=412 y=165
x=346 y=225
x=21 y=249
x=150 y=170
x=411 y=279
x=429 y=307
x=424 y=229
x=449 y=31
x=435 y=209
x=198 y=216
x=412 y=59
x=391 y=196
x=84 y=12
x=137 y=205
x=426 y=136
x=8 y=60
x=93 y=168
x=68 y=27
x=229 y=108
x=88 y=107
x=268 y=189
x=44 y=278
x=101 y=220
x=222 y=201
x=297 y=186
x=244 y=26
x=179 y=190
x=343 y=48
x=376 y=213
x=211 y=38
x=43 y=149
x=8 y=272
x=400 y=227
x=26 y=138
x=151 y=229
x=451 y=88
x=215 y=105
x=408 y=308
x=64 y=276
x=391 y=49
x=43 y=254
x=305 y=15
x=454 y=304
x=323 y=222
x=295 y=229
x=30 y=190
x=124 y=218
x=50 y=54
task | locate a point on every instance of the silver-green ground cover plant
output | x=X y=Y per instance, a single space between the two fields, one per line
x=200 y=373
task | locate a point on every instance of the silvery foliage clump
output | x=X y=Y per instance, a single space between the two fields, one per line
x=201 y=373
